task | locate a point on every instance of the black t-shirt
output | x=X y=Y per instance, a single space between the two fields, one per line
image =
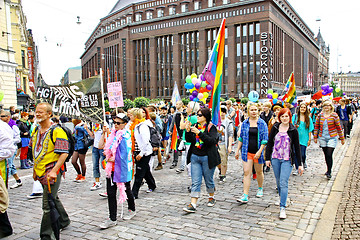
x=253 y=140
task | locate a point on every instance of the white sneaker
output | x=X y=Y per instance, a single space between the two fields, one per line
x=16 y=185
x=96 y=186
x=295 y=172
x=282 y=214
x=108 y=223
x=129 y=215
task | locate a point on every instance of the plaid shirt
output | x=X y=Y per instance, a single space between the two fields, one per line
x=244 y=138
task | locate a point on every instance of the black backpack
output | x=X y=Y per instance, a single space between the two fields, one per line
x=155 y=137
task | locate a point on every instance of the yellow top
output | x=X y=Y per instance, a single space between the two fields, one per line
x=45 y=151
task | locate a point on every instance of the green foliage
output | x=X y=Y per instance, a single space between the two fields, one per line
x=141 y=102
x=244 y=100
x=232 y=100
x=107 y=107
x=156 y=100
x=222 y=99
x=335 y=94
x=185 y=101
x=128 y=104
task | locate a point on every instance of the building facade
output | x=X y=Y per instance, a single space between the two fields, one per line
x=7 y=58
x=323 y=59
x=348 y=82
x=72 y=75
x=148 y=45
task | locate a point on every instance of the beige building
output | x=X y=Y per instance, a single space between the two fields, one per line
x=348 y=82
x=72 y=75
x=7 y=57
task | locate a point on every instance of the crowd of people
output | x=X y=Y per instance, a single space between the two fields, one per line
x=140 y=140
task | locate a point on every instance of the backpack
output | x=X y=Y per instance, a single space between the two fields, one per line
x=155 y=137
x=69 y=135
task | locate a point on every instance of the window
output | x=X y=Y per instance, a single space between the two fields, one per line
x=244 y=28
x=244 y=78
x=211 y=3
x=184 y=7
x=257 y=28
x=238 y=69
x=238 y=51
x=226 y=33
x=226 y=1
x=244 y=49
x=251 y=29
x=197 y=5
x=24 y=86
x=226 y=51
x=257 y=45
x=123 y=21
x=160 y=13
x=251 y=48
x=251 y=71
x=138 y=17
x=172 y=10
x=23 y=59
x=128 y=19
x=238 y=31
x=149 y=15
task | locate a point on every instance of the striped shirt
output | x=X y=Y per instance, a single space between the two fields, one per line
x=334 y=126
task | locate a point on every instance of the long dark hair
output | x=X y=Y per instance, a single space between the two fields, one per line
x=206 y=113
x=306 y=114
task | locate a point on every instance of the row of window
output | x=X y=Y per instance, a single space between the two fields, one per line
x=197 y=4
x=199 y=19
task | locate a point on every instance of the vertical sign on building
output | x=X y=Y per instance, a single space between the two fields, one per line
x=31 y=69
x=123 y=44
x=266 y=61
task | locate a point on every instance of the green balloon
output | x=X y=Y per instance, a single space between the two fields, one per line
x=203 y=84
x=270 y=91
x=188 y=79
x=1 y=95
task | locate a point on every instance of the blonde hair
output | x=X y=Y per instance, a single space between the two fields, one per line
x=267 y=104
x=48 y=106
x=194 y=106
x=138 y=113
x=328 y=102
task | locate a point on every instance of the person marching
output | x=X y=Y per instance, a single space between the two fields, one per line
x=327 y=130
x=252 y=141
x=119 y=168
x=305 y=126
x=203 y=155
x=283 y=138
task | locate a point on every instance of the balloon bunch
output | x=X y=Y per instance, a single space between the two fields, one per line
x=326 y=89
x=253 y=96
x=198 y=87
x=274 y=97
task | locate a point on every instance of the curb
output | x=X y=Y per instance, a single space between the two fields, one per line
x=326 y=223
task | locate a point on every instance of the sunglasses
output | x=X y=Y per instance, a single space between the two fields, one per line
x=200 y=115
x=118 y=123
x=3 y=116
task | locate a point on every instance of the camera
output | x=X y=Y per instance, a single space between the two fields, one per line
x=184 y=113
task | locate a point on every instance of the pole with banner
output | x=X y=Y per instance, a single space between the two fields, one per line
x=102 y=94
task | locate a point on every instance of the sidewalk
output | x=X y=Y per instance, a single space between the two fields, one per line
x=160 y=214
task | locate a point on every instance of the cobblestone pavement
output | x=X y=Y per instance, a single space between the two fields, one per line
x=347 y=222
x=160 y=214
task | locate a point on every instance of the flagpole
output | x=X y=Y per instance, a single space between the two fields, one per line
x=102 y=94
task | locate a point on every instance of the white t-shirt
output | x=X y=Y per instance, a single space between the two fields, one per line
x=97 y=136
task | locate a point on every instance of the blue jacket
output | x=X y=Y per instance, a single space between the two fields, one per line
x=79 y=135
x=244 y=138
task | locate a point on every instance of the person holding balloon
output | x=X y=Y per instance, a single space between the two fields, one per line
x=252 y=141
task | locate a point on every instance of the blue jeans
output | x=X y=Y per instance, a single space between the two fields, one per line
x=11 y=166
x=282 y=170
x=200 y=168
x=97 y=154
x=303 y=156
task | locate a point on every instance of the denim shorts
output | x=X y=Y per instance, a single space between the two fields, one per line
x=328 y=142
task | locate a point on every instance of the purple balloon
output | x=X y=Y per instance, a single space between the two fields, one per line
x=202 y=78
x=344 y=93
x=269 y=96
x=197 y=85
x=191 y=98
x=331 y=89
x=195 y=93
x=324 y=92
x=209 y=87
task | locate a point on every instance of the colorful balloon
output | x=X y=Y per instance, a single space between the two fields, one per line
x=269 y=96
x=200 y=96
x=330 y=90
x=275 y=95
x=209 y=87
x=194 y=80
x=191 y=98
x=202 y=78
x=195 y=93
x=189 y=85
x=197 y=85
x=206 y=95
x=203 y=84
x=270 y=91
x=253 y=96
x=1 y=95
x=193 y=75
x=188 y=79
x=196 y=99
x=337 y=89
x=275 y=101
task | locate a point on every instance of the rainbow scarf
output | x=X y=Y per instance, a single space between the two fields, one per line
x=199 y=143
x=290 y=89
x=213 y=73
x=95 y=127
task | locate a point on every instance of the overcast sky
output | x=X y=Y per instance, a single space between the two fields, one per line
x=61 y=40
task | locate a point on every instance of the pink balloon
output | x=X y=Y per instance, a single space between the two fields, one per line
x=200 y=96
x=194 y=80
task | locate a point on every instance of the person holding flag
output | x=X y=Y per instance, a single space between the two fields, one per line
x=175 y=132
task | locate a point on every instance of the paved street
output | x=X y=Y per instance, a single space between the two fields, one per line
x=160 y=214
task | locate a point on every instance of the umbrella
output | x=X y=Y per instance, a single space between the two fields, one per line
x=54 y=214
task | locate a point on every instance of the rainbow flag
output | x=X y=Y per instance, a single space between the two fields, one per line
x=174 y=139
x=213 y=73
x=290 y=89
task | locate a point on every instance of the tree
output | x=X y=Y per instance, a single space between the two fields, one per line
x=141 y=102
x=244 y=100
x=185 y=101
x=128 y=104
x=232 y=100
x=336 y=94
x=107 y=107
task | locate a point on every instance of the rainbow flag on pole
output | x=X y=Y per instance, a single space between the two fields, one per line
x=290 y=89
x=213 y=73
x=174 y=139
